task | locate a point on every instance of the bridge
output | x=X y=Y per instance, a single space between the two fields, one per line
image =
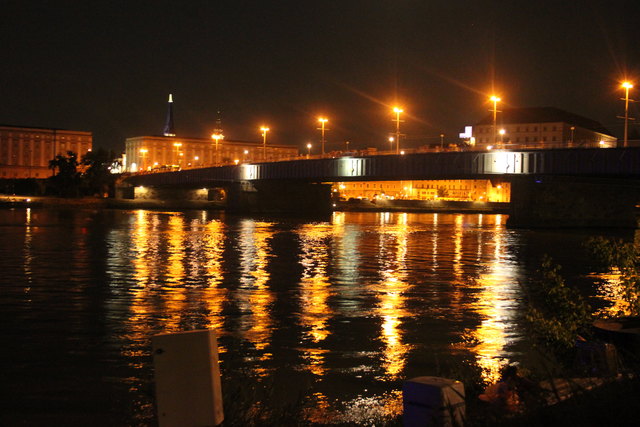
x=555 y=187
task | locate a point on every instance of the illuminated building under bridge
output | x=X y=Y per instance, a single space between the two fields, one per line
x=453 y=189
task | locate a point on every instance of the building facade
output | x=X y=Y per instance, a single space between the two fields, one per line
x=25 y=152
x=480 y=190
x=153 y=153
x=539 y=128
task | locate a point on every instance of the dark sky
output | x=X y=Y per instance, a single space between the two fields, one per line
x=108 y=67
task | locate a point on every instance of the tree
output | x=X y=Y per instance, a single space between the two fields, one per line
x=66 y=179
x=97 y=178
x=623 y=259
x=556 y=312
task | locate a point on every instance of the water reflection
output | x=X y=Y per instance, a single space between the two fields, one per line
x=355 y=305
x=391 y=292
x=315 y=291
x=254 y=298
x=496 y=303
x=176 y=252
x=214 y=295
x=28 y=252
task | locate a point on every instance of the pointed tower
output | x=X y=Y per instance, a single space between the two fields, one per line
x=168 y=124
x=218 y=129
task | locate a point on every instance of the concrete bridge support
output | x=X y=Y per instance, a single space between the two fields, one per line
x=278 y=197
x=565 y=201
x=166 y=197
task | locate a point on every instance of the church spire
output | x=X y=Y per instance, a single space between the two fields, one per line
x=218 y=128
x=168 y=124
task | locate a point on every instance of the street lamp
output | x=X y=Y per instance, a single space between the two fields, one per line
x=626 y=86
x=442 y=141
x=177 y=145
x=322 y=121
x=502 y=132
x=391 y=139
x=495 y=99
x=573 y=129
x=143 y=152
x=397 y=110
x=217 y=137
x=308 y=149
x=264 y=130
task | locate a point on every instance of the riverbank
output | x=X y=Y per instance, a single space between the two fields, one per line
x=101 y=203
x=427 y=206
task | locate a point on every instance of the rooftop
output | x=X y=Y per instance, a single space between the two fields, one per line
x=510 y=116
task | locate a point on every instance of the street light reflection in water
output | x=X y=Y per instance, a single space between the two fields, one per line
x=342 y=311
x=183 y=268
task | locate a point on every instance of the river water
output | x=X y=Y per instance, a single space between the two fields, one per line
x=326 y=315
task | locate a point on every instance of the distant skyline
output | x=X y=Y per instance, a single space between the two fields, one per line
x=109 y=67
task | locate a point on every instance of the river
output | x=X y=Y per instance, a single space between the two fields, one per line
x=327 y=315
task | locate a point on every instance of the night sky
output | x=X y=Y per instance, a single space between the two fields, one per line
x=108 y=67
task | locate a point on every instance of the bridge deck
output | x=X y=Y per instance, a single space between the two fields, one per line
x=609 y=162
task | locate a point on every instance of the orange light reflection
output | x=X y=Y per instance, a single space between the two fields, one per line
x=315 y=290
x=214 y=294
x=391 y=291
x=253 y=295
x=498 y=291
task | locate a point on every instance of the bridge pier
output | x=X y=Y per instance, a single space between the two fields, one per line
x=278 y=197
x=569 y=201
x=167 y=197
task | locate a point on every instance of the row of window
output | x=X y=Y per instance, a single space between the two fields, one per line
x=15 y=175
x=519 y=129
x=518 y=139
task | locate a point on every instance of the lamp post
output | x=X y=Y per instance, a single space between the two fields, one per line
x=264 y=130
x=495 y=99
x=322 y=121
x=347 y=144
x=177 y=145
x=573 y=128
x=502 y=132
x=143 y=152
x=397 y=110
x=391 y=140
x=626 y=86
x=308 y=150
x=217 y=137
x=441 y=141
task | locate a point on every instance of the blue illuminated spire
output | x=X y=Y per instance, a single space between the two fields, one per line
x=168 y=124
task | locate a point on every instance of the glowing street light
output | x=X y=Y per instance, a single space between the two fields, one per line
x=391 y=140
x=397 y=110
x=264 y=130
x=626 y=86
x=502 y=132
x=217 y=137
x=495 y=99
x=308 y=149
x=143 y=152
x=322 y=121
x=177 y=145
x=573 y=129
